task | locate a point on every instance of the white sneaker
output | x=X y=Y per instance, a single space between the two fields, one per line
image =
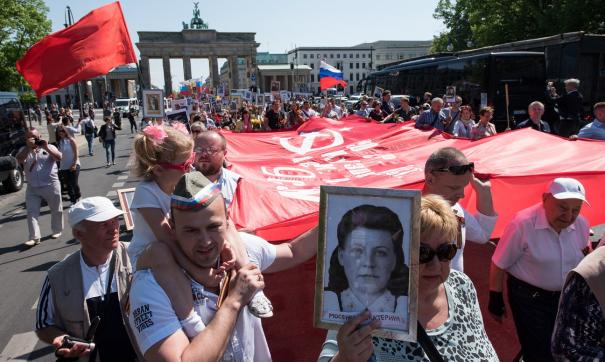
x=32 y=242
x=56 y=236
x=260 y=306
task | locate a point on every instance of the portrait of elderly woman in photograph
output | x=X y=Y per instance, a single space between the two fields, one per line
x=448 y=309
x=367 y=269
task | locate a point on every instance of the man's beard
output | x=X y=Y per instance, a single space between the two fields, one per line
x=208 y=169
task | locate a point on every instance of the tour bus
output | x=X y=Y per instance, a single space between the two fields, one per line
x=479 y=79
x=12 y=138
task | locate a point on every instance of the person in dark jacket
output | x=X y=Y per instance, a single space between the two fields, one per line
x=107 y=136
x=570 y=108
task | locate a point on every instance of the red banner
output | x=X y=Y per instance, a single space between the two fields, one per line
x=282 y=171
x=93 y=46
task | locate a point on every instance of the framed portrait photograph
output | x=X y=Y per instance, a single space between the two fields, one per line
x=180 y=115
x=153 y=103
x=125 y=196
x=367 y=258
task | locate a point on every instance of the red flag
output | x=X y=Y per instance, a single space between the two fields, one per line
x=279 y=193
x=91 y=47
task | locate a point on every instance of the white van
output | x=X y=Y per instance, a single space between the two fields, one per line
x=125 y=104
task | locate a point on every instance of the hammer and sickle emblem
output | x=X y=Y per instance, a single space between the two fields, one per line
x=309 y=140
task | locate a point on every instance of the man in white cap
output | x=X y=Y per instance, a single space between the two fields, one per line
x=537 y=249
x=89 y=284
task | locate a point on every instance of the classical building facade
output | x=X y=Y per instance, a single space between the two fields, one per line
x=197 y=41
x=356 y=61
x=120 y=82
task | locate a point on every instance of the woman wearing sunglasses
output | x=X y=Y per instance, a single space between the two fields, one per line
x=447 y=305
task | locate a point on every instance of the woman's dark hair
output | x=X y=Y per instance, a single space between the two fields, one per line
x=371 y=217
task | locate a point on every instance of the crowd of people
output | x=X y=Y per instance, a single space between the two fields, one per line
x=163 y=295
x=559 y=115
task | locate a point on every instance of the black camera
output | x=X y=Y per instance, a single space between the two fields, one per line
x=69 y=341
x=39 y=142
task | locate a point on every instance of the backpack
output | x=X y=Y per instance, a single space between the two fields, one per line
x=88 y=129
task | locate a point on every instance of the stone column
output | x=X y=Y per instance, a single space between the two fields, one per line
x=187 y=67
x=234 y=72
x=124 y=87
x=167 y=75
x=213 y=63
x=145 y=71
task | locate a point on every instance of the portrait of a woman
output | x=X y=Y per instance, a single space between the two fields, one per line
x=367 y=269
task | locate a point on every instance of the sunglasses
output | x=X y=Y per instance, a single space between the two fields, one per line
x=445 y=252
x=458 y=170
x=183 y=167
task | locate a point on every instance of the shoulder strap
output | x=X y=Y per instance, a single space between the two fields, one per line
x=112 y=268
x=427 y=345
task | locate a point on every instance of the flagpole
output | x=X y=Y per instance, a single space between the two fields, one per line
x=69 y=21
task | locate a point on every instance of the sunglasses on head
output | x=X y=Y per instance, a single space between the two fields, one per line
x=445 y=252
x=183 y=167
x=458 y=170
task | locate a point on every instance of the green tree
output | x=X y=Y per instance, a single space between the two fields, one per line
x=478 y=23
x=22 y=24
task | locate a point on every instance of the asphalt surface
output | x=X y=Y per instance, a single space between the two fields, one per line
x=22 y=269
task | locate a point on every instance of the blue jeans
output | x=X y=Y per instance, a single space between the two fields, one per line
x=110 y=146
x=90 y=140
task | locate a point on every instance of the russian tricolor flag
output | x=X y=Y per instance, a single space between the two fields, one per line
x=329 y=76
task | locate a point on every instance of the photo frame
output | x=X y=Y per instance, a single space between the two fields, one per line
x=450 y=94
x=125 y=196
x=153 y=103
x=344 y=287
x=180 y=115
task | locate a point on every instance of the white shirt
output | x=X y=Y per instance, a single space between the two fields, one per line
x=462 y=129
x=40 y=167
x=147 y=195
x=94 y=284
x=532 y=251
x=228 y=184
x=307 y=114
x=476 y=228
x=67 y=154
x=152 y=318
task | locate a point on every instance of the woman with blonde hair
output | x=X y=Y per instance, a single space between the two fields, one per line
x=448 y=310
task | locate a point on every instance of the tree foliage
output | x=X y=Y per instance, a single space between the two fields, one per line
x=22 y=24
x=478 y=23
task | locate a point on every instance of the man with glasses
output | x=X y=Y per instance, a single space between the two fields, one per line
x=210 y=149
x=537 y=250
x=447 y=173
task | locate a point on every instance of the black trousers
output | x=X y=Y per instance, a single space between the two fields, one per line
x=71 y=183
x=534 y=312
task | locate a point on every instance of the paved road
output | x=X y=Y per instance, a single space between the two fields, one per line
x=22 y=270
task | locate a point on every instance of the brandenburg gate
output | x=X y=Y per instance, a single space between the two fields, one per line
x=196 y=41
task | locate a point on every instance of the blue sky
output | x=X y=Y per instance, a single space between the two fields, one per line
x=279 y=25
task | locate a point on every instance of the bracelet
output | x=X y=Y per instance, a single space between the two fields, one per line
x=192 y=325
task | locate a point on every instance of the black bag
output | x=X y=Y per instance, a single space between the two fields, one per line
x=89 y=129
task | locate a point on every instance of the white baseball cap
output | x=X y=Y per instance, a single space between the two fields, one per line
x=96 y=208
x=567 y=188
